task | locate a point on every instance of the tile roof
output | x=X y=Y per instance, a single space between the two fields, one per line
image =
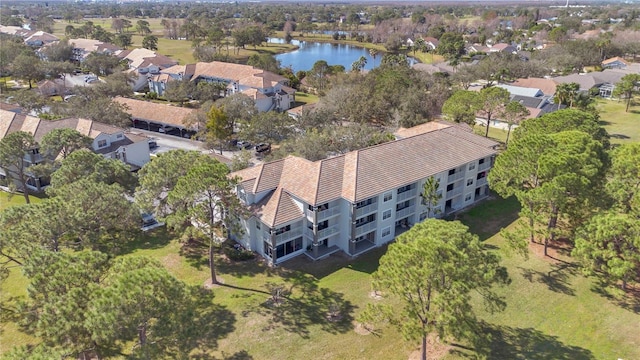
x=161 y=113
x=243 y=74
x=614 y=59
x=11 y=122
x=420 y=129
x=144 y=58
x=522 y=91
x=359 y=174
x=547 y=86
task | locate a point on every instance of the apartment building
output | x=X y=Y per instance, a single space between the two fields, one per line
x=269 y=91
x=362 y=199
x=109 y=141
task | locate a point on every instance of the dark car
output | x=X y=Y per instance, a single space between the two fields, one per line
x=152 y=144
x=243 y=144
x=263 y=148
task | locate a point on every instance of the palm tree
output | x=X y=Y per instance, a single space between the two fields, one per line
x=359 y=64
x=566 y=93
x=373 y=53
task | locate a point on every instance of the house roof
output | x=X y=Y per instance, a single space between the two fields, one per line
x=242 y=74
x=547 y=86
x=500 y=47
x=420 y=129
x=589 y=80
x=90 y=45
x=144 y=58
x=522 y=91
x=614 y=59
x=11 y=122
x=359 y=174
x=160 y=113
x=41 y=36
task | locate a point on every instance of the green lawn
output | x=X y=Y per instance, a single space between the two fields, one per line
x=305 y=98
x=552 y=311
x=7 y=199
x=624 y=127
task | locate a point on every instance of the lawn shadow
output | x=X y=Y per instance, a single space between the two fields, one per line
x=505 y=342
x=154 y=239
x=628 y=300
x=367 y=263
x=619 y=136
x=301 y=304
x=201 y=323
x=556 y=280
x=490 y=216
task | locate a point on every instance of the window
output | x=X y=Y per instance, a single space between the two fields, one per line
x=289 y=247
x=119 y=136
x=403 y=205
x=258 y=225
x=481 y=161
x=283 y=229
x=365 y=220
x=323 y=225
x=423 y=216
x=481 y=175
x=388 y=196
x=386 y=215
x=386 y=231
x=468 y=197
x=472 y=166
x=452 y=171
x=449 y=187
x=364 y=203
x=102 y=143
x=405 y=188
x=469 y=182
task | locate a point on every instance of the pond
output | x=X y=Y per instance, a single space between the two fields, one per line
x=334 y=54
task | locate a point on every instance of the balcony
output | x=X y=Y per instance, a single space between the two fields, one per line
x=324 y=233
x=330 y=212
x=481 y=182
x=371 y=208
x=409 y=210
x=484 y=166
x=409 y=194
x=363 y=246
x=455 y=192
x=288 y=235
x=455 y=177
x=366 y=228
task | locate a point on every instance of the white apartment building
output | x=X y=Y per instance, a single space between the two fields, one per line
x=361 y=199
x=109 y=141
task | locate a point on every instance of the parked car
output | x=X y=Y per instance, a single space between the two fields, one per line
x=152 y=144
x=263 y=148
x=90 y=78
x=243 y=144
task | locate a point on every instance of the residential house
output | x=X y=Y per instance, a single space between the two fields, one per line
x=52 y=87
x=144 y=63
x=362 y=199
x=604 y=81
x=503 y=48
x=533 y=99
x=431 y=42
x=159 y=117
x=477 y=48
x=268 y=90
x=547 y=86
x=32 y=38
x=83 y=47
x=615 y=63
x=110 y=141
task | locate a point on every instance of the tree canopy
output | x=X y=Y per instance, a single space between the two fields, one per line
x=431 y=270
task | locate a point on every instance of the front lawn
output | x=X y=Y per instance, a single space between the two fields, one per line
x=624 y=127
x=552 y=311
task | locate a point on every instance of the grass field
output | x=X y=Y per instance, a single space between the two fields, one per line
x=624 y=127
x=552 y=311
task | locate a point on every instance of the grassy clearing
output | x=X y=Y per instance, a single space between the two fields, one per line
x=552 y=310
x=624 y=127
x=305 y=98
x=7 y=199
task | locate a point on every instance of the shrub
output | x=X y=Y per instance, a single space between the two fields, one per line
x=237 y=253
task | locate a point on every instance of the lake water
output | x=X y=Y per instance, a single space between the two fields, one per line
x=334 y=54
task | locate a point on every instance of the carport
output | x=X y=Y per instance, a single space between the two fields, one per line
x=162 y=118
